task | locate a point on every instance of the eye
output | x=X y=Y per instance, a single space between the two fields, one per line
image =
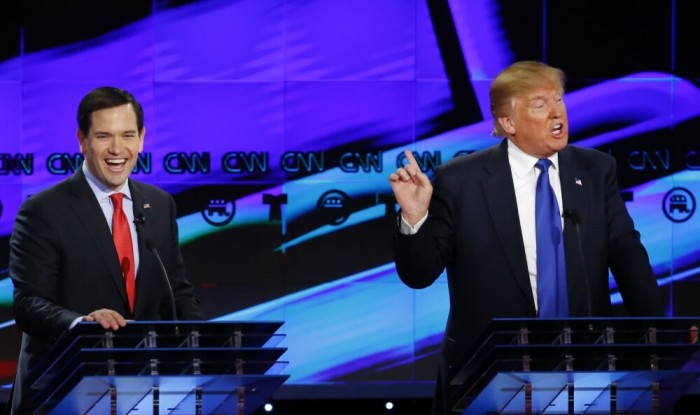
x=538 y=104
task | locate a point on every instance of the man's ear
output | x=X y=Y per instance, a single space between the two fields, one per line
x=81 y=140
x=507 y=125
x=142 y=134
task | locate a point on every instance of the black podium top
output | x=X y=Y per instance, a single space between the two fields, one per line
x=147 y=360
x=570 y=346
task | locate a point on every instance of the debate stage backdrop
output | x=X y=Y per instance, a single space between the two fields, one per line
x=275 y=125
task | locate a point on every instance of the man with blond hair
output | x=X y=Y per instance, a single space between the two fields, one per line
x=479 y=216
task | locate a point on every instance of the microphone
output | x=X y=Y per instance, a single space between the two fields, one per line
x=575 y=217
x=152 y=247
x=139 y=219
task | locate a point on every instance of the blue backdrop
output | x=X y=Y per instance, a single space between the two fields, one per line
x=275 y=125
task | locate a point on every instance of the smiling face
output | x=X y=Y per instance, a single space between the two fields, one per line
x=538 y=122
x=112 y=145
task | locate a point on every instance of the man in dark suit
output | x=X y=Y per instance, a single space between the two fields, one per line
x=476 y=219
x=63 y=261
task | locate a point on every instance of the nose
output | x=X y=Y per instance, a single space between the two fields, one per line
x=115 y=145
x=558 y=109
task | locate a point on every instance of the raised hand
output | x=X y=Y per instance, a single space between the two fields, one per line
x=412 y=189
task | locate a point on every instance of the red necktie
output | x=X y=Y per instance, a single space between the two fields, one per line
x=122 y=241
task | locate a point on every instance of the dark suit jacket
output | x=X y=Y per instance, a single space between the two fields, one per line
x=473 y=231
x=63 y=264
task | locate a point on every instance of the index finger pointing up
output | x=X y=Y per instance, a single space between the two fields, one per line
x=411 y=162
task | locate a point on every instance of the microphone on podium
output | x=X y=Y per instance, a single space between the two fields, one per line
x=152 y=247
x=575 y=217
x=139 y=219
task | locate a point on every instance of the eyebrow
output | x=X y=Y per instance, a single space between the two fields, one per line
x=130 y=131
x=545 y=97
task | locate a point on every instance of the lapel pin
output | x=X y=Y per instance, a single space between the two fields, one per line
x=146 y=205
x=578 y=182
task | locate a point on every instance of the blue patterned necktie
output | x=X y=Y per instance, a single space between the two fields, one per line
x=552 y=295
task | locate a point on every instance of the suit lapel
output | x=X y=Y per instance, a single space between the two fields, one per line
x=504 y=215
x=574 y=180
x=141 y=206
x=90 y=215
x=138 y=203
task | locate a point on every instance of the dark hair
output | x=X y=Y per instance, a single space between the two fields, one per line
x=106 y=97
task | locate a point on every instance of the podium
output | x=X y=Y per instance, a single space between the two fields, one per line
x=156 y=367
x=578 y=366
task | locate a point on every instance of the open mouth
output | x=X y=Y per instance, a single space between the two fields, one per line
x=116 y=163
x=557 y=129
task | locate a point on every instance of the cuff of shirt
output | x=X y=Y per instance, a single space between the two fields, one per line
x=406 y=229
x=75 y=322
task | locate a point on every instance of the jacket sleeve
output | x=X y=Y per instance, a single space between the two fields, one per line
x=34 y=269
x=187 y=303
x=627 y=257
x=421 y=258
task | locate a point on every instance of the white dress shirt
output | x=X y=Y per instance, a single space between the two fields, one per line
x=102 y=194
x=525 y=174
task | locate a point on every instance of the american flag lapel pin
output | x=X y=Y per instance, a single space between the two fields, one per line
x=578 y=182
x=146 y=205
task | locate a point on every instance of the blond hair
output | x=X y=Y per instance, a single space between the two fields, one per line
x=516 y=80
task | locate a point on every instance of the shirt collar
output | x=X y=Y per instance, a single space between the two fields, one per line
x=523 y=164
x=99 y=189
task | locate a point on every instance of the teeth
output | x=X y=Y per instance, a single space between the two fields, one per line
x=120 y=161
